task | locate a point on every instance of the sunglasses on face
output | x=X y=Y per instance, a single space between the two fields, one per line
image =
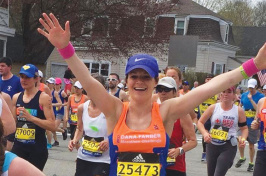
x=163 y=89
x=111 y=79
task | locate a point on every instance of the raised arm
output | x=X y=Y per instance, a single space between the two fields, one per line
x=192 y=99
x=60 y=39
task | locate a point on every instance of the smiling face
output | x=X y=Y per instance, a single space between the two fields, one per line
x=140 y=84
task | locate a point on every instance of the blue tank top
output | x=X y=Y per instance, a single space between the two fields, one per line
x=54 y=101
x=28 y=135
x=9 y=157
x=61 y=111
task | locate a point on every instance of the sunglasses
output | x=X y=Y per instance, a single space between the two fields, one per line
x=111 y=79
x=163 y=89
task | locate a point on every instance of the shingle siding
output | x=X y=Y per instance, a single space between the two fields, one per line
x=206 y=29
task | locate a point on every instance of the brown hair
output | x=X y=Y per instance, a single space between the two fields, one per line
x=2 y=148
x=176 y=69
x=99 y=78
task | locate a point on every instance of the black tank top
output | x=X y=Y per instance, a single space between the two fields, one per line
x=27 y=133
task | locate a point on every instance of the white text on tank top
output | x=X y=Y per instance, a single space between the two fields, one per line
x=94 y=127
x=223 y=124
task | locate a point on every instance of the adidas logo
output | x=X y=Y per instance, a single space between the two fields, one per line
x=138 y=159
x=25 y=126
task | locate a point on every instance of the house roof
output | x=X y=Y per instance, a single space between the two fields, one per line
x=249 y=39
x=189 y=7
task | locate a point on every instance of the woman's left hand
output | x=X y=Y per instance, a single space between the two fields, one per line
x=173 y=152
x=23 y=113
x=241 y=142
x=104 y=145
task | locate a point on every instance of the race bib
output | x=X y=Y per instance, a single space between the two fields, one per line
x=25 y=133
x=219 y=134
x=170 y=161
x=74 y=118
x=138 y=164
x=91 y=146
x=250 y=114
x=203 y=107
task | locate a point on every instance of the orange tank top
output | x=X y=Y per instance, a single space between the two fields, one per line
x=74 y=104
x=41 y=88
x=146 y=140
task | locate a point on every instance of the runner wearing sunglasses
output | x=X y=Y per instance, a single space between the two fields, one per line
x=113 y=81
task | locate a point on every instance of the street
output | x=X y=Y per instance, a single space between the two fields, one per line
x=61 y=162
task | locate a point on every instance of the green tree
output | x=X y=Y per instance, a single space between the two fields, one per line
x=214 y=5
x=260 y=14
x=240 y=12
x=106 y=25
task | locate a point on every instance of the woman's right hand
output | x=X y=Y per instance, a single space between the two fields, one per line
x=255 y=124
x=207 y=137
x=71 y=145
x=54 y=32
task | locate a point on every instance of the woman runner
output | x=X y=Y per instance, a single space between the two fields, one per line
x=139 y=130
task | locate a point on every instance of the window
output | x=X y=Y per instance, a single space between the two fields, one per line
x=101 y=68
x=149 y=27
x=218 y=69
x=180 y=27
x=226 y=34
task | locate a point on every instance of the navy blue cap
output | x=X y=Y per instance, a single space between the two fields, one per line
x=185 y=83
x=143 y=61
x=29 y=70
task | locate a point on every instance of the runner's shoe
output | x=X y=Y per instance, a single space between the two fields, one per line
x=203 y=158
x=49 y=146
x=64 y=134
x=240 y=162
x=250 y=167
x=56 y=143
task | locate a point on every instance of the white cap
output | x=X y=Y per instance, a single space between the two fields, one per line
x=264 y=87
x=252 y=83
x=51 y=80
x=40 y=73
x=167 y=82
x=78 y=85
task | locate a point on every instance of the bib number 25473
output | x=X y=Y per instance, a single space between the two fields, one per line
x=137 y=169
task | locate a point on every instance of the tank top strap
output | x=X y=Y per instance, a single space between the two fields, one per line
x=123 y=114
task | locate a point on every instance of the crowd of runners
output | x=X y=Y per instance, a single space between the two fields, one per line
x=142 y=125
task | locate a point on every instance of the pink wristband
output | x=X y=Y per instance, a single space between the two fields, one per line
x=67 y=52
x=250 y=67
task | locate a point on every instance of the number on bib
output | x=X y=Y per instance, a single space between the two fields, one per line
x=25 y=133
x=219 y=134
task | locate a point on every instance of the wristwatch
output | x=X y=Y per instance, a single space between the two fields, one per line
x=181 y=151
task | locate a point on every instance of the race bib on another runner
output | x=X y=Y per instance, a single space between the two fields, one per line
x=219 y=134
x=250 y=114
x=74 y=118
x=25 y=133
x=138 y=164
x=91 y=146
